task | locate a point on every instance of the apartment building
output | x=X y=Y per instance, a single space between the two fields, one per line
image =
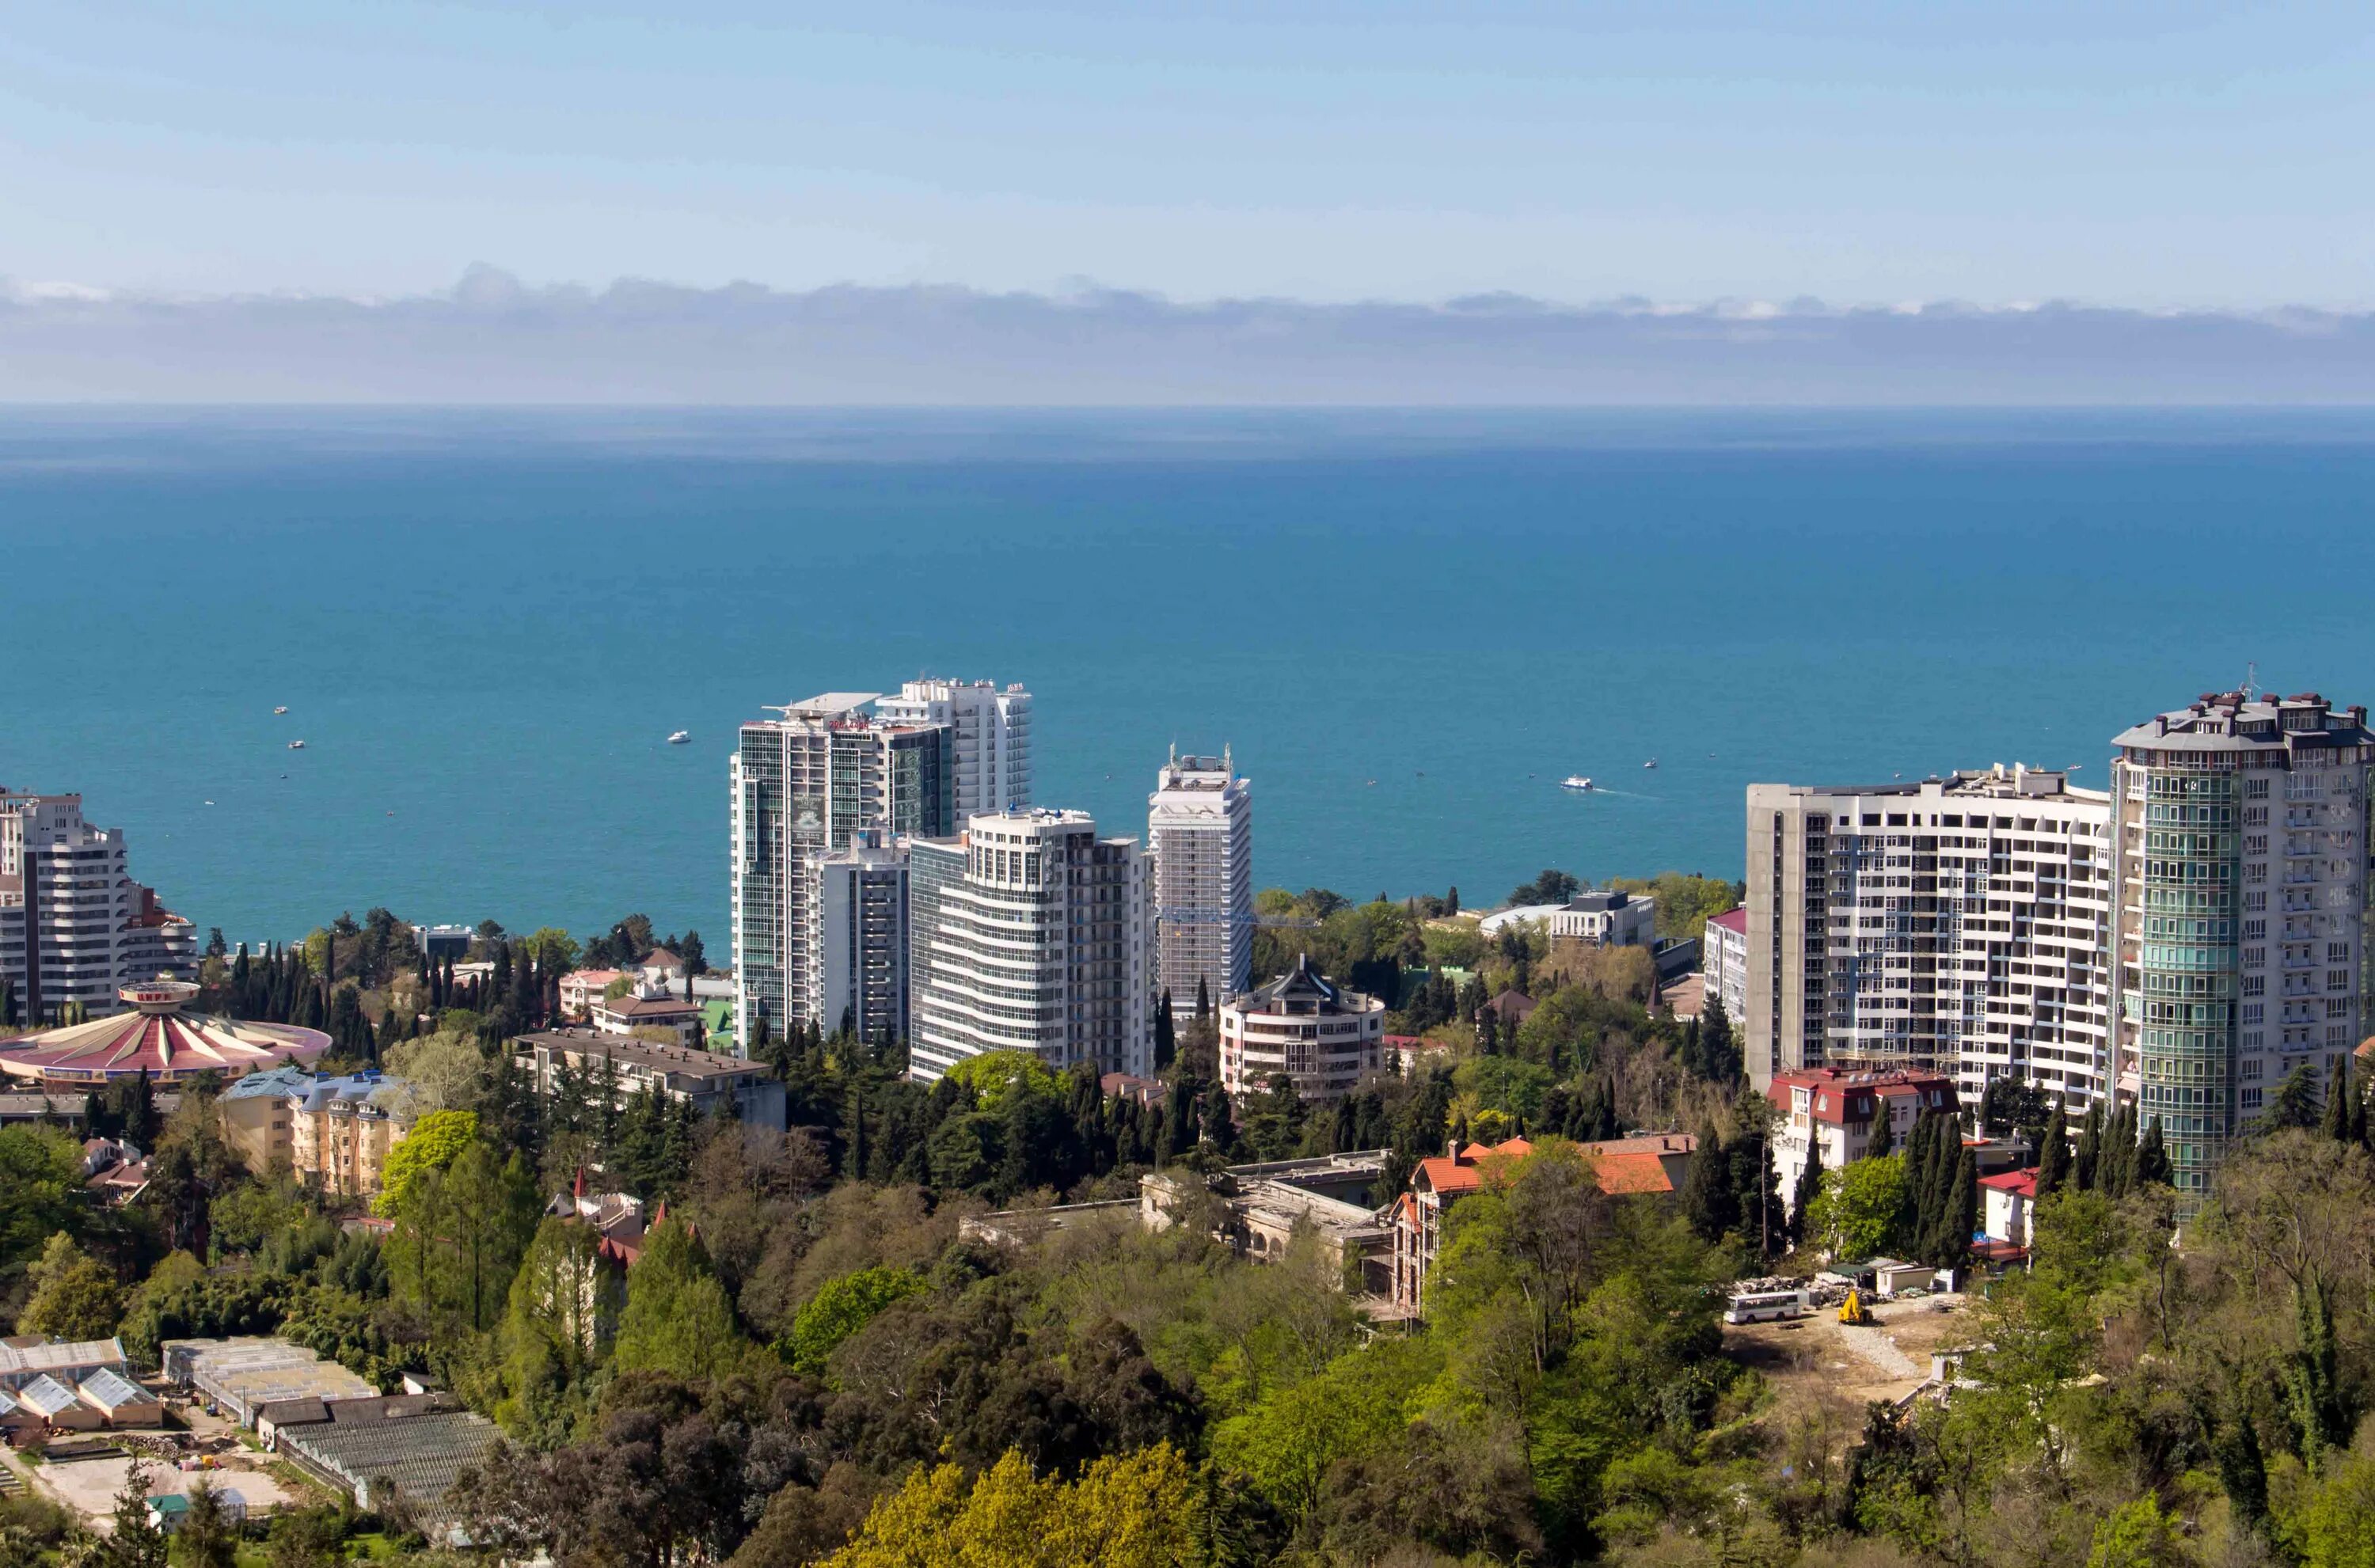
x=1322 y=1036
x=1947 y=925
x=2238 y=931
x=713 y=1085
x=1029 y=932
x=74 y=927
x=1606 y=920
x=1200 y=835
x=331 y=1132
x=862 y=923
x=989 y=737
x=1724 y=962
x=804 y=786
x=1834 y=1113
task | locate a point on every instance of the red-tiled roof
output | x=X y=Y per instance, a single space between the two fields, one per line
x=1840 y=1097
x=1730 y=920
x=1631 y=1174
x=2022 y=1184
x=1653 y=1143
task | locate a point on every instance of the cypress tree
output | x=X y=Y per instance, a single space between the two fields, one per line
x=853 y=1166
x=1166 y=1035
x=2152 y=1159
x=1203 y=1000
x=1810 y=1186
x=1963 y=1217
x=1883 y=1132
x=1708 y=1201
x=2086 y=1168
x=2053 y=1155
x=2337 y=1104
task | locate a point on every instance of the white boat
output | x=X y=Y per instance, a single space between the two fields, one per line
x=680 y=737
x=296 y=746
x=1651 y=764
x=1577 y=782
x=281 y=710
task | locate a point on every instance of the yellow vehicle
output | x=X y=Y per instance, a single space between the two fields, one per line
x=1854 y=1312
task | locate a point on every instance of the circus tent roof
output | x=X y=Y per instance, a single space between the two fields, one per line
x=156 y=1037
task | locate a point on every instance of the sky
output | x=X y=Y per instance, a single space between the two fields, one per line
x=2165 y=156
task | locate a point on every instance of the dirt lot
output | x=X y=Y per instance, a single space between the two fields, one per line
x=89 y=1486
x=1819 y=1357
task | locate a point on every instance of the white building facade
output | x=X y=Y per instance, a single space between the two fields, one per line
x=1031 y=933
x=1955 y=926
x=1723 y=960
x=1200 y=835
x=1324 y=1038
x=989 y=737
x=801 y=787
x=1607 y=920
x=2238 y=933
x=74 y=927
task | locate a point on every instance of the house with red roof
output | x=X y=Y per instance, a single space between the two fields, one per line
x=1839 y=1111
x=2008 y=1206
x=1625 y=1167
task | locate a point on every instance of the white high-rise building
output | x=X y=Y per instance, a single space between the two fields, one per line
x=990 y=729
x=1200 y=835
x=1030 y=933
x=2242 y=897
x=74 y=927
x=803 y=787
x=1957 y=925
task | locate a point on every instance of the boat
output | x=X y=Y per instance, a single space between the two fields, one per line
x=1576 y=782
x=280 y=709
x=1651 y=764
x=680 y=737
x=296 y=746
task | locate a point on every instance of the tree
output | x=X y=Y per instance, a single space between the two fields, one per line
x=136 y=1543
x=208 y=1536
x=73 y=1298
x=2138 y=1535
x=840 y=1309
x=2152 y=1159
x=2054 y=1153
x=1146 y=1510
x=40 y=1180
x=551 y=947
x=1551 y=885
x=2295 y=1103
x=1809 y=1188
x=434 y=1142
x=1856 y=1215
x=1166 y=1036
x=678 y=1318
x=1883 y=1133
x=1708 y=1200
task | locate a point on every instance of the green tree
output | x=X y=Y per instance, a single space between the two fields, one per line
x=41 y=1179
x=2295 y=1103
x=435 y=1141
x=2137 y=1534
x=136 y=1542
x=2337 y=1526
x=2054 y=1153
x=554 y=951
x=678 y=1318
x=1857 y=1211
x=74 y=1297
x=840 y=1309
x=208 y=1536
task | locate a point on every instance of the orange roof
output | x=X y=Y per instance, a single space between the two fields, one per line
x=1462 y=1171
x=1653 y=1143
x=1631 y=1174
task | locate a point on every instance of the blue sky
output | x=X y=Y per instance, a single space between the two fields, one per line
x=2150 y=154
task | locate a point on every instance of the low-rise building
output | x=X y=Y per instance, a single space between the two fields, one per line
x=1648 y=1166
x=1839 y=1112
x=30 y=1356
x=1261 y=1208
x=651 y=1005
x=580 y=988
x=2009 y=1205
x=59 y=1407
x=243 y=1373
x=713 y=1084
x=121 y=1402
x=1606 y=920
x=333 y=1133
x=1322 y=1036
x=414 y=1446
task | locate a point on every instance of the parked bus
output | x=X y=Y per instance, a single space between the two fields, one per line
x=1766 y=1307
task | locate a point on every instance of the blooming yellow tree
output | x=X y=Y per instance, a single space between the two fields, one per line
x=1143 y=1510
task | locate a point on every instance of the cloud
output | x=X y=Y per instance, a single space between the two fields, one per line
x=494 y=338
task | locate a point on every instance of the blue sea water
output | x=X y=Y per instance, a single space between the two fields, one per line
x=484 y=624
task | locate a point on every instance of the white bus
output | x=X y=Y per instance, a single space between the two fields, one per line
x=1766 y=1306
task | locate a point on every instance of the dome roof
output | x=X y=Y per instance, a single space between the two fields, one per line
x=156 y=1037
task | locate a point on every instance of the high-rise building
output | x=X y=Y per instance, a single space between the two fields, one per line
x=1322 y=1037
x=1954 y=925
x=2238 y=933
x=74 y=927
x=1200 y=835
x=989 y=727
x=1030 y=933
x=803 y=786
x=862 y=919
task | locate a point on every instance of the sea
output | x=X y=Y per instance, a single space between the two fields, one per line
x=1407 y=626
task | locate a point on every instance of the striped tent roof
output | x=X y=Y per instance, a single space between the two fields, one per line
x=157 y=1038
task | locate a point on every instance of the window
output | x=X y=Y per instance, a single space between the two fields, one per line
x=2250 y=1100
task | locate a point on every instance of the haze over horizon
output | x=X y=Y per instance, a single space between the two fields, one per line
x=1310 y=200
